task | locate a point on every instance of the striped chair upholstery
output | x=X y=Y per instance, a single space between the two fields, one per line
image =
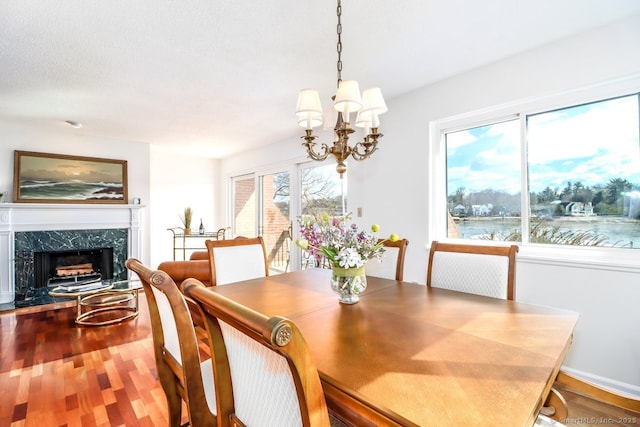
x=237 y=259
x=476 y=269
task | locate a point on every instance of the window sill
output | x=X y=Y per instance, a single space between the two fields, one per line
x=612 y=259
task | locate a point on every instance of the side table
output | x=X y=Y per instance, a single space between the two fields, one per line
x=112 y=296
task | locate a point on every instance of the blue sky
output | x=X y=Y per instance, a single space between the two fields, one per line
x=590 y=144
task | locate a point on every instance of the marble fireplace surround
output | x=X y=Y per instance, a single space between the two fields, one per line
x=89 y=219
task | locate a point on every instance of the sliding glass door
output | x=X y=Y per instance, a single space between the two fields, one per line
x=266 y=204
x=274 y=219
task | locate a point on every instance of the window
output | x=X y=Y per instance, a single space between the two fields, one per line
x=322 y=190
x=578 y=167
x=483 y=181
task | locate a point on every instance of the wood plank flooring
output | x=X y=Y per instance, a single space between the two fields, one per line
x=585 y=411
x=54 y=373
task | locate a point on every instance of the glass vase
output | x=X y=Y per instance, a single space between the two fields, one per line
x=348 y=283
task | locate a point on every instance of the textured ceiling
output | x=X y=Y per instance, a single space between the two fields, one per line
x=218 y=77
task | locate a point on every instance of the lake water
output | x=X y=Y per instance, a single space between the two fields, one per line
x=618 y=231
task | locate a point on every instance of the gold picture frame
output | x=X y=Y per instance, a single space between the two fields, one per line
x=60 y=178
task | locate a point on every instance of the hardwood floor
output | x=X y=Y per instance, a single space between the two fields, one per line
x=55 y=373
x=585 y=411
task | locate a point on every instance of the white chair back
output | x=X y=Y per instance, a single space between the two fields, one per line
x=236 y=260
x=391 y=266
x=168 y=321
x=236 y=263
x=264 y=393
x=472 y=273
x=385 y=268
x=172 y=345
x=487 y=270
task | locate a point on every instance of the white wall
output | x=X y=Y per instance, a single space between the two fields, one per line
x=392 y=188
x=178 y=182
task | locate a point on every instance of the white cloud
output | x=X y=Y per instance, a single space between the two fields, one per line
x=556 y=136
x=456 y=140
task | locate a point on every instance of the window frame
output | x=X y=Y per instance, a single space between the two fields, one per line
x=618 y=259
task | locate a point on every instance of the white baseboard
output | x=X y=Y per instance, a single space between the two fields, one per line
x=625 y=389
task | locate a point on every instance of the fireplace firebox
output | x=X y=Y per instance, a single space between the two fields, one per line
x=54 y=268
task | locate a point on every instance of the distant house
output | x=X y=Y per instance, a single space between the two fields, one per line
x=579 y=209
x=482 y=210
x=459 y=211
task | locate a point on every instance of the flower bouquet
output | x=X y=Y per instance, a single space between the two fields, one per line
x=345 y=247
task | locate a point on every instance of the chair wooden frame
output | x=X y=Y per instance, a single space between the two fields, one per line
x=401 y=244
x=277 y=334
x=398 y=274
x=214 y=244
x=507 y=251
x=180 y=380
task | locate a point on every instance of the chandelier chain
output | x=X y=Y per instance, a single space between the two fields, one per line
x=339 y=45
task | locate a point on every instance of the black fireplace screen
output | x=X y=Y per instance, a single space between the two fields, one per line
x=52 y=268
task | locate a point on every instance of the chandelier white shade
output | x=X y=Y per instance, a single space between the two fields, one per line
x=348 y=102
x=348 y=99
x=309 y=109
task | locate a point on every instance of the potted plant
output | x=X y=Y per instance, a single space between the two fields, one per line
x=186 y=220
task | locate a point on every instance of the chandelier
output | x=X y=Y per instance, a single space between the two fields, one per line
x=347 y=101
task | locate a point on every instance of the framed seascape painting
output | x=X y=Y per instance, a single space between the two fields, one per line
x=58 y=178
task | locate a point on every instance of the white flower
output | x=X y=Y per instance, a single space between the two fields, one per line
x=349 y=257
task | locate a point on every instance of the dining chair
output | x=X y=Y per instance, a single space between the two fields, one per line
x=237 y=259
x=182 y=373
x=392 y=264
x=274 y=379
x=476 y=269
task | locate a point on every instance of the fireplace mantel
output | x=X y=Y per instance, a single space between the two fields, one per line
x=17 y=217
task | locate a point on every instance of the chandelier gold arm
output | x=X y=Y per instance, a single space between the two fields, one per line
x=309 y=137
x=369 y=146
x=340 y=148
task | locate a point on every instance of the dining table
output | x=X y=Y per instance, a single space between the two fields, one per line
x=409 y=355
